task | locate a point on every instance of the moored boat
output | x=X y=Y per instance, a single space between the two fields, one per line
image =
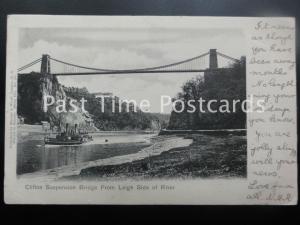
x=68 y=137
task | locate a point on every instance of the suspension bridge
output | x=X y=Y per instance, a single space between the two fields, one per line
x=53 y=66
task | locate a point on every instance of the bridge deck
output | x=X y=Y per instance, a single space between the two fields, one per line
x=130 y=72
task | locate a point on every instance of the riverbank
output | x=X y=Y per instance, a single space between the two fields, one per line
x=157 y=146
x=221 y=156
x=134 y=156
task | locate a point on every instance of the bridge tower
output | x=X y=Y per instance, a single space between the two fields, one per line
x=213 y=60
x=46 y=81
x=45 y=65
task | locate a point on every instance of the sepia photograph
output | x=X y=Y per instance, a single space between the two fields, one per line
x=150 y=110
x=114 y=103
x=140 y=111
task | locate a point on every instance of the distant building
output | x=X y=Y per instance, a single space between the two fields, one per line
x=81 y=92
x=20 y=120
x=45 y=125
x=103 y=94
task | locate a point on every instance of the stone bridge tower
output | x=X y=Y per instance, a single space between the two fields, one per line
x=46 y=83
x=213 y=65
x=213 y=60
x=45 y=65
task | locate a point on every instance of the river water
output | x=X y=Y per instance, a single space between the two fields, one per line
x=33 y=155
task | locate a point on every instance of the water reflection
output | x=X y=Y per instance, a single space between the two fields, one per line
x=58 y=157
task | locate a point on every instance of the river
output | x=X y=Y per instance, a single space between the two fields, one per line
x=128 y=151
x=33 y=155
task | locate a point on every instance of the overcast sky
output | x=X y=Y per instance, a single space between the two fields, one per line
x=119 y=48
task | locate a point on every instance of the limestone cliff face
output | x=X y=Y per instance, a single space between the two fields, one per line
x=31 y=91
x=30 y=98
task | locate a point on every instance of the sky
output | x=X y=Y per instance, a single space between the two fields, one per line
x=120 y=48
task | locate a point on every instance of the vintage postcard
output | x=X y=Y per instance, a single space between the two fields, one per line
x=150 y=110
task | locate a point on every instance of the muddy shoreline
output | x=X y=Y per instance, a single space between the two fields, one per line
x=171 y=156
x=221 y=156
x=157 y=146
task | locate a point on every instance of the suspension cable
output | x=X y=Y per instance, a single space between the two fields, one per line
x=228 y=57
x=140 y=69
x=128 y=70
x=29 y=64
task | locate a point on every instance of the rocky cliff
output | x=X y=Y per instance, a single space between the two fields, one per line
x=227 y=84
x=31 y=90
x=32 y=87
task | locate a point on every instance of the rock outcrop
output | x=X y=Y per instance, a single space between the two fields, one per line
x=31 y=91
